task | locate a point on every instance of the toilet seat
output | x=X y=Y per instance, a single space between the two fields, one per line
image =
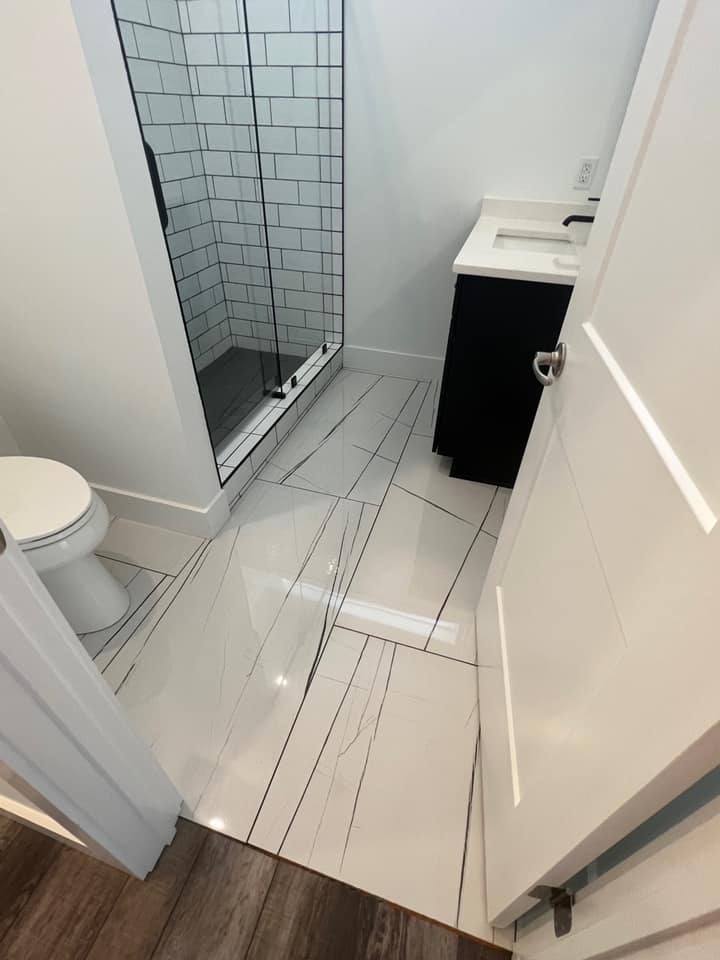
x=83 y=521
x=42 y=501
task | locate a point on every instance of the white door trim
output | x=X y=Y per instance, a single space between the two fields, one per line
x=64 y=737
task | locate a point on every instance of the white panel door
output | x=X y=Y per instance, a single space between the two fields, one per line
x=599 y=623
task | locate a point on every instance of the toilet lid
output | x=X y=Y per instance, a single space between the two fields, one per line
x=40 y=497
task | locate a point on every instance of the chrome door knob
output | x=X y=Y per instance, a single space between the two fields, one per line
x=554 y=361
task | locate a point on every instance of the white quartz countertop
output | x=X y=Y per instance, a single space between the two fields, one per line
x=525 y=240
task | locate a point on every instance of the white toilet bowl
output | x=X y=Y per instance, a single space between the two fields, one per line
x=58 y=521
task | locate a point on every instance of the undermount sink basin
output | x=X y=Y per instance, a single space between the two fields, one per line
x=507 y=239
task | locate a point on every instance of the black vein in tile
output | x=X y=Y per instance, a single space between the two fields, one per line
x=380 y=505
x=261 y=647
x=322 y=748
x=367 y=754
x=330 y=433
x=132 y=610
x=471 y=793
x=430 y=503
x=460 y=570
x=189 y=566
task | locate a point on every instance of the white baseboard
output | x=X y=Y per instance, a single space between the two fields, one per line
x=390 y=363
x=197 y=521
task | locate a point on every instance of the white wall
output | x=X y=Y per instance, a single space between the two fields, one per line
x=448 y=102
x=94 y=367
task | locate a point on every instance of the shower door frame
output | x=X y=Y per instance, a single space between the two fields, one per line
x=278 y=392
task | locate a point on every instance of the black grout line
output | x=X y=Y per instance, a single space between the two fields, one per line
x=164 y=573
x=380 y=505
x=126 y=563
x=432 y=504
x=375 y=453
x=473 y=774
x=202 y=549
x=367 y=757
x=236 y=33
x=159 y=585
x=410 y=646
x=231 y=721
x=322 y=748
x=337 y=573
x=330 y=433
x=132 y=610
x=392 y=376
x=308 y=685
x=457 y=576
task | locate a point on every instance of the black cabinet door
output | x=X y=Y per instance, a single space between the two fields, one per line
x=489 y=393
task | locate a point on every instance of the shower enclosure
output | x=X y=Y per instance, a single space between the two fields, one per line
x=240 y=108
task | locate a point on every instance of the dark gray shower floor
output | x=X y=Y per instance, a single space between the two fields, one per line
x=234 y=384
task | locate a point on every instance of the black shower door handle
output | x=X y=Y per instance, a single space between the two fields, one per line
x=155 y=178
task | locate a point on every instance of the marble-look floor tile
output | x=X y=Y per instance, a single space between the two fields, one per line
x=377 y=791
x=118 y=659
x=306 y=741
x=123 y=572
x=305 y=797
x=454 y=633
x=333 y=467
x=153 y=548
x=409 y=414
x=407 y=570
x=471 y=916
x=425 y=423
x=289 y=660
x=424 y=474
x=394 y=443
x=496 y=514
x=335 y=441
x=140 y=587
x=422 y=755
x=373 y=482
x=115 y=658
x=221 y=677
x=288 y=677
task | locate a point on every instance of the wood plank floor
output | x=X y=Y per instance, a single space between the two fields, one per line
x=209 y=898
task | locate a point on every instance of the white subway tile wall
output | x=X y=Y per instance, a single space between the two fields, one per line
x=191 y=75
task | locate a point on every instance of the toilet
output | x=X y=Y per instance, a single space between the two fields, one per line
x=58 y=522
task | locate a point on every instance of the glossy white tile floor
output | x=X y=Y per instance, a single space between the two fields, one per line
x=307 y=679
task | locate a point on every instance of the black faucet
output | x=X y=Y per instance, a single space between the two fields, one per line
x=577 y=218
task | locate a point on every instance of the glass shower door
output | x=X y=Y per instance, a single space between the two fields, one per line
x=243 y=129
x=188 y=65
x=296 y=74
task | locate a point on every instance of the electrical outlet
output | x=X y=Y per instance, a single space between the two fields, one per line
x=586 y=172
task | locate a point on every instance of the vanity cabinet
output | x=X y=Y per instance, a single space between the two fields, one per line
x=489 y=393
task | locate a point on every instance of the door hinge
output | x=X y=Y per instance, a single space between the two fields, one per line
x=561 y=901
